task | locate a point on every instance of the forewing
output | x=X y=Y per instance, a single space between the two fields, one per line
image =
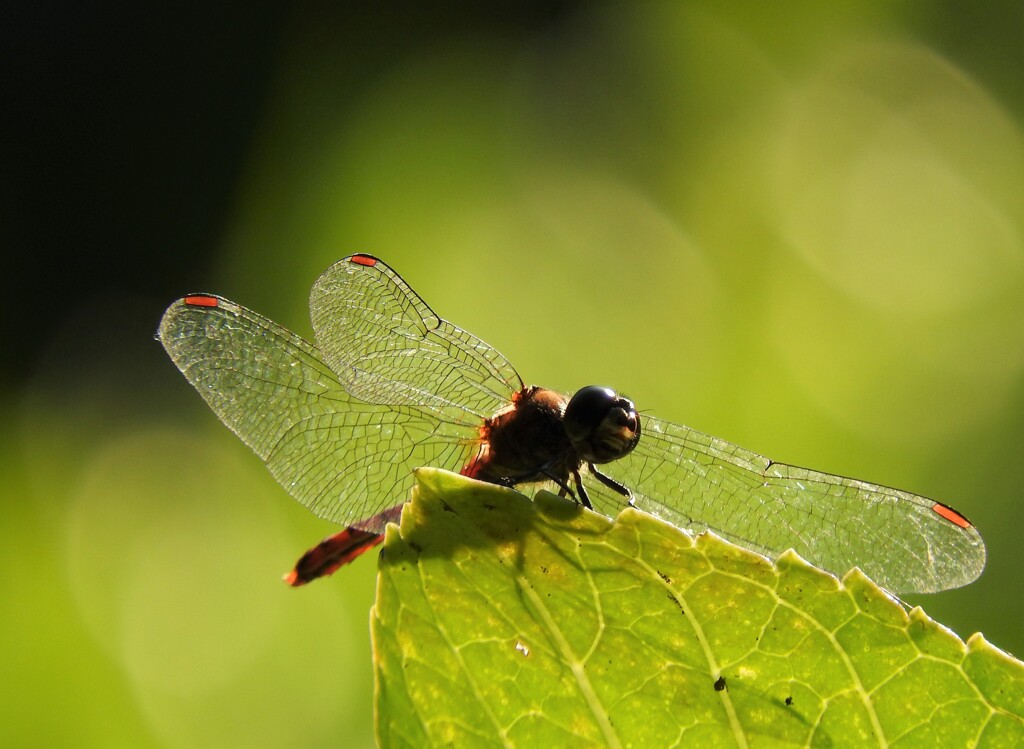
x=344 y=459
x=388 y=347
x=699 y=482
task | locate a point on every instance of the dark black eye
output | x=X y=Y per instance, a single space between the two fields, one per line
x=601 y=426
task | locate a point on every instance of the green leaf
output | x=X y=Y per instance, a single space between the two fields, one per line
x=502 y=621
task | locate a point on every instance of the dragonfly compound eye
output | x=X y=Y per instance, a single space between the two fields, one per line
x=601 y=426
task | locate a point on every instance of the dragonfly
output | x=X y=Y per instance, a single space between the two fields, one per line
x=389 y=386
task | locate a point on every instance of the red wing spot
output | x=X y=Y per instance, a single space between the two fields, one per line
x=366 y=260
x=201 y=301
x=951 y=515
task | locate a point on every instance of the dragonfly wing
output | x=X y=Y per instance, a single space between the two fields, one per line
x=344 y=459
x=905 y=542
x=388 y=347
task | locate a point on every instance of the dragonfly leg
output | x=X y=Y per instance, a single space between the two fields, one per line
x=563 y=488
x=609 y=482
x=513 y=481
x=584 y=499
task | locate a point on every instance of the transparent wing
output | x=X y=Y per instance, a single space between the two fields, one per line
x=905 y=542
x=343 y=458
x=392 y=387
x=388 y=347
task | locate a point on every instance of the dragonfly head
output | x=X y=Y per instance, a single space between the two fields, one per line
x=601 y=425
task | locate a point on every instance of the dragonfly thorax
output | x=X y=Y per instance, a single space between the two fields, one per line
x=526 y=442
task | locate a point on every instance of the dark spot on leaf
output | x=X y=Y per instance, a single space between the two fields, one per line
x=789 y=700
x=720 y=684
x=665 y=578
x=675 y=600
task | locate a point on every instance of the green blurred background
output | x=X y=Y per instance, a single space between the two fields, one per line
x=798 y=228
